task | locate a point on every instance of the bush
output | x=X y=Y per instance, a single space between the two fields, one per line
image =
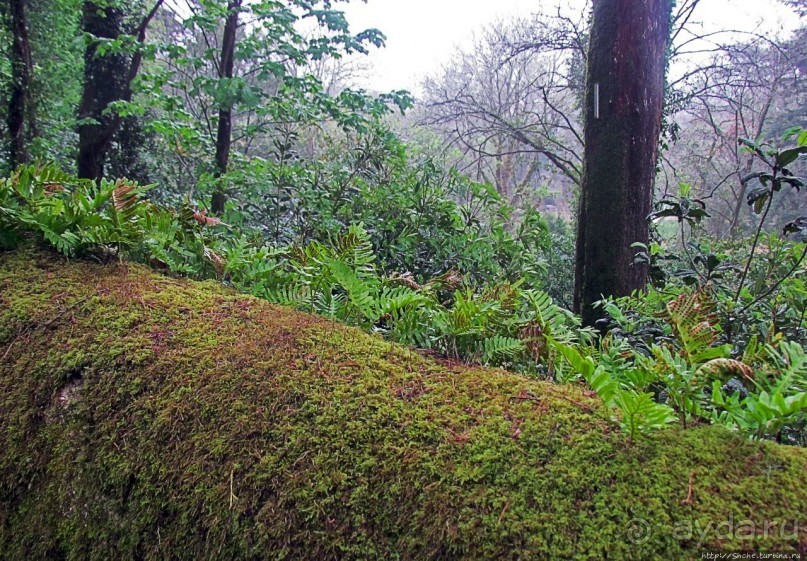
x=499 y=323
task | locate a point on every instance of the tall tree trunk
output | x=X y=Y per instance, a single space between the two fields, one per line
x=107 y=78
x=103 y=84
x=627 y=63
x=21 y=71
x=225 y=125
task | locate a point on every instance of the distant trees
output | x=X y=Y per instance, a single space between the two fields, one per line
x=627 y=60
x=747 y=89
x=282 y=53
x=510 y=104
x=512 y=108
x=238 y=78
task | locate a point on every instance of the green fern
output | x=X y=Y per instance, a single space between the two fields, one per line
x=396 y=301
x=498 y=348
x=361 y=292
x=295 y=296
x=640 y=414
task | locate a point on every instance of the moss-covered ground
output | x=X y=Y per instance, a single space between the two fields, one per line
x=145 y=417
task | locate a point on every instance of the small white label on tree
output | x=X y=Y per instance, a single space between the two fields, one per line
x=596 y=101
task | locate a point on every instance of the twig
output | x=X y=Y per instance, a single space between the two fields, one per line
x=688 y=500
x=754 y=245
x=504 y=510
x=232 y=495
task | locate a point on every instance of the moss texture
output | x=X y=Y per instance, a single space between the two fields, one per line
x=144 y=417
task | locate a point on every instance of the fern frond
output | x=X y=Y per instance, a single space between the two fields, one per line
x=499 y=347
x=360 y=291
x=331 y=306
x=790 y=361
x=694 y=322
x=394 y=301
x=289 y=295
x=124 y=199
x=721 y=368
x=355 y=248
x=66 y=243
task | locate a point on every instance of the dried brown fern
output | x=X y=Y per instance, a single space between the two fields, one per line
x=202 y=218
x=721 y=368
x=124 y=199
x=694 y=321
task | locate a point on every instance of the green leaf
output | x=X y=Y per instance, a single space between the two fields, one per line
x=757 y=198
x=787 y=157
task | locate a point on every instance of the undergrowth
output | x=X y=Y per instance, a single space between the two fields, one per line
x=683 y=369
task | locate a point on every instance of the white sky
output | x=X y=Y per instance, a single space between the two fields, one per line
x=422 y=34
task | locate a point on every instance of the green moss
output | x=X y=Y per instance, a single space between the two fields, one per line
x=143 y=417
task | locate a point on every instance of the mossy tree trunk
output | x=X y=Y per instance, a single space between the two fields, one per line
x=225 y=124
x=21 y=71
x=626 y=66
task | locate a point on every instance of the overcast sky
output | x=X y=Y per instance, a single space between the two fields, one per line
x=422 y=34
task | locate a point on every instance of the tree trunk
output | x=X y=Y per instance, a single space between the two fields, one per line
x=627 y=62
x=21 y=70
x=107 y=78
x=103 y=84
x=225 y=125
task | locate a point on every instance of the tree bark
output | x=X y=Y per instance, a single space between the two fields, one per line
x=225 y=124
x=627 y=60
x=107 y=78
x=103 y=84
x=21 y=71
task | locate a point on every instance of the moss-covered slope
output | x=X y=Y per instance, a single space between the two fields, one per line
x=143 y=417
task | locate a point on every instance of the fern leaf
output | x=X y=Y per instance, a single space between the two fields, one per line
x=360 y=292
x=721 y=367
x=289 y=295
x=124 y=199
x=500 y=347
x=694 y=322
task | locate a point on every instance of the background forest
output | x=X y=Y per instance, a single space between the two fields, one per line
x=253 y=154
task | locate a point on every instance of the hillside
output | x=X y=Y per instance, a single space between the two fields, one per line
x=146 y=417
